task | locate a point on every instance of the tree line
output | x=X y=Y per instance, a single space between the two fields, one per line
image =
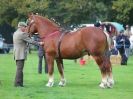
x=67 y=12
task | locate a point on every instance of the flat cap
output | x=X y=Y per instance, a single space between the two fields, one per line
x=21 y=24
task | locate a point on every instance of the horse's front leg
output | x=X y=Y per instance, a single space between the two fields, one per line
x=61 y=71
x=50 y=62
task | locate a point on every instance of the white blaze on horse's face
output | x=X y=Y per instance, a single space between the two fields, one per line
x=32 y=21
x=31 y=25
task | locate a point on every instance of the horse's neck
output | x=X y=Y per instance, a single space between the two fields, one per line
x=44 y=31
x=45 y=27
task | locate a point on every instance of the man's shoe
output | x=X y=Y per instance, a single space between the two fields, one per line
x=39 y=72
x=19 y=85
x=123 y=63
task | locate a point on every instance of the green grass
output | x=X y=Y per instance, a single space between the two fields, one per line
x=82 y=82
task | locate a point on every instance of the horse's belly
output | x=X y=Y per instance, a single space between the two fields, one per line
x=73 y=55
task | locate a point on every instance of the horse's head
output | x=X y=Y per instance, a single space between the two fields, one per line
x=41 y=25
x=31 y=26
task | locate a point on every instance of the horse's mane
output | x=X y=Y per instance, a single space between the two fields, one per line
x=51 y=23
x=46 y=20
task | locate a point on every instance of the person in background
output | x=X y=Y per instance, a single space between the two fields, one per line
x=127 y=32
x=122 y=42
x=97 y=24
x=20 y=41
x=114 y=50
x=41 y=55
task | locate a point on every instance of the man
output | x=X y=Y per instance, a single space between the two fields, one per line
x=41 y=55
x=20 y=41
x=122 y=43
x=127 y=32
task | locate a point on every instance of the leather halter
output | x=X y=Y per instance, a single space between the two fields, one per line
x=48 y=35
x=29 y=24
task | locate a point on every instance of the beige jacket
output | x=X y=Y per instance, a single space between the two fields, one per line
x=20 y=41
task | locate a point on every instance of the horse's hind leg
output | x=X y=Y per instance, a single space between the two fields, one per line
x=106 y=71
x=99 y=61
x=61 y=71
x=106 y=60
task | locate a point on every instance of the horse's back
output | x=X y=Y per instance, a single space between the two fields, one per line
x=94 y=39
x=93 y=32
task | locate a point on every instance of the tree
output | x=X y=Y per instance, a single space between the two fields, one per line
x=67 y=12
x=123 y=10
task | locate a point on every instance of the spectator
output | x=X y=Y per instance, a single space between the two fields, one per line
x=123 y=43
x=127 y=31
x=41 y=55
x=97 y=24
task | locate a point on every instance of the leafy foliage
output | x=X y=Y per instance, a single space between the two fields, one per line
x=124 y=11
x=67 y=12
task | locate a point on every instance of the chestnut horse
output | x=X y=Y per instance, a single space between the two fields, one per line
x=73 y=45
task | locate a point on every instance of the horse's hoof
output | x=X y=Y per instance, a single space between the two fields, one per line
x=62 y=83
x=109 y=85
x=102 y=85
x=50 y=84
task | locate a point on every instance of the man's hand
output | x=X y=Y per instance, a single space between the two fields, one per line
x=41 y=43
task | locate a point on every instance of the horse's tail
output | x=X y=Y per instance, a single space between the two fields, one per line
x=108 y=40
x=107 y=52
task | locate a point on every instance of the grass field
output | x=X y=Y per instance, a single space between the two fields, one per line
x=82 y=81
